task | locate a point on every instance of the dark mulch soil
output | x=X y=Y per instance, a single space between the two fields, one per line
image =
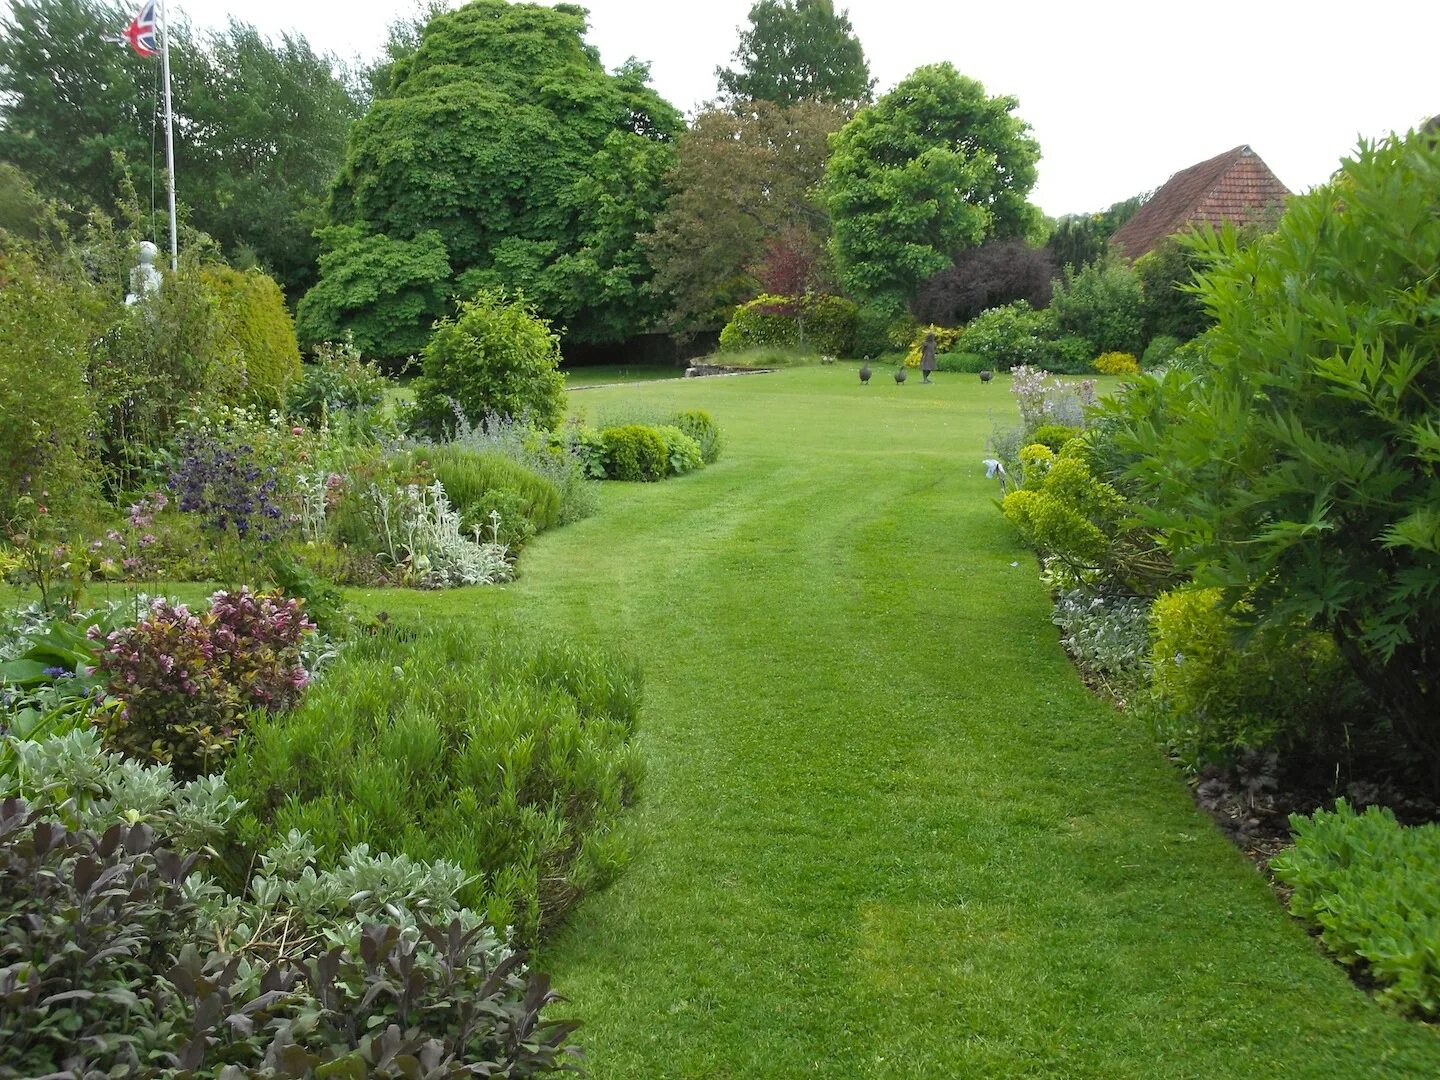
x=1252 y=800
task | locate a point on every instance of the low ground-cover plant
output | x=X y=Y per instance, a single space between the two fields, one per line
x=1367 y=884
x=505 y=753
x=106 y=968
x=1108 y=637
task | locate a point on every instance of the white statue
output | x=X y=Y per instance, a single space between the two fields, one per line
x=145 y=280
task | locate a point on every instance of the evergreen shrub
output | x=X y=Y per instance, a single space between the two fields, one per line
x=255 y=324
x=827 y=324
x=635 y=452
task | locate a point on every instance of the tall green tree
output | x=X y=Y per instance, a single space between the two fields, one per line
x=259 y=134
x=933 y=167
x=537 y=168
x=798 y=50
x=1077 y=240
x=745 y=176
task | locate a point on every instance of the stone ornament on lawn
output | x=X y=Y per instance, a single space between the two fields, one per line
x=927 y=357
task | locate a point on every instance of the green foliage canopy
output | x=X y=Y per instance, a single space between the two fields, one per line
x=744 y=175
x=798 y=50
x=1302 y=475
x=504 y=135
x=933 y=167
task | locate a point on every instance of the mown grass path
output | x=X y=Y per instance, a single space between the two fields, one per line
x=888 y=833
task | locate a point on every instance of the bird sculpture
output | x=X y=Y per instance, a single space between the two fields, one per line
x=986 y=375
x=900 y=374
x=865 y=373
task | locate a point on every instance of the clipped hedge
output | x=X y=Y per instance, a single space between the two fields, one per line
x=827 y=324
x=256 y=325
x=635 y=452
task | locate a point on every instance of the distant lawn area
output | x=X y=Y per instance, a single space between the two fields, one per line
x=580 y=377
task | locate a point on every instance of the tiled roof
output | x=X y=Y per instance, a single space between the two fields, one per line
x=1233 y=186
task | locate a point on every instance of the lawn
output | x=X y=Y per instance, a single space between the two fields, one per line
x=889 y=833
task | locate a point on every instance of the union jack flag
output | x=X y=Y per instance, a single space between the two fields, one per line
x=141 y=35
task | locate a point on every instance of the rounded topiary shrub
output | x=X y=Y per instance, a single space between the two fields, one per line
x=635 y=452
x=495 y=356
x=256 y=326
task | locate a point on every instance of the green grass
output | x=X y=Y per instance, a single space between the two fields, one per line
x=889 y=833
x=603 y=375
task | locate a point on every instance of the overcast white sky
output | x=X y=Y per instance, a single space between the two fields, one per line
x=1120 y=93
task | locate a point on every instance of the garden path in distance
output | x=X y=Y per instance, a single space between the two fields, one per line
x=887 y=832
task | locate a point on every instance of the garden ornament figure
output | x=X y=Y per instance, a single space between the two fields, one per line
x=900 y=375
x=986 y=375
x=927 y=357
x=145 y=280
x=864 y=372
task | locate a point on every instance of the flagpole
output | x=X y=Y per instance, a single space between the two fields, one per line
x=169 y=136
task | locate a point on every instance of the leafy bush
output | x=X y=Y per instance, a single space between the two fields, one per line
x=699 y=426
x=994 y=274
x=1116 y=363
x=945 y=338
x=684 y=452
x=1167 y=278
x=255 y=324
x=1055 y=436
x=635 y=452
x=1009 y=336
x=1103 y=304
x=1223 y=698
x=495 y=356
x=504 y=752
x=1047 y=400
x=878 y=330
x=570 y=457
x=1367 y=884
x=1159 y=352
x=106 y=961
x=816 y=321
x=46 y=414
x=336 y=380
x=1302 y=473
x=187 y=681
